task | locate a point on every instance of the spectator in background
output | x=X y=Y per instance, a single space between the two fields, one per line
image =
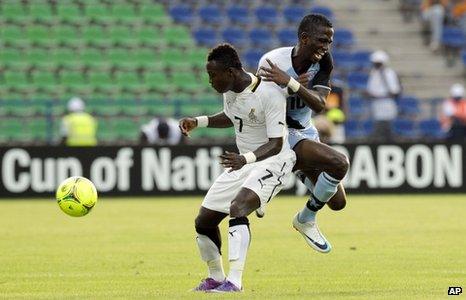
x=335 y=108
x=433 y=15
x=383 y=87
x=453 y=118
x=78 y=128
x=161 y=131
x=459 y=14
x=409 y=9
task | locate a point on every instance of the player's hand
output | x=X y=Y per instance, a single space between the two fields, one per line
x=274 y=74
x=303 y=79
x=186 y=125
x=231 y=160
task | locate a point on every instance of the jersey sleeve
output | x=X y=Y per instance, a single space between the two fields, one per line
x=275 y=112
x=322 y=78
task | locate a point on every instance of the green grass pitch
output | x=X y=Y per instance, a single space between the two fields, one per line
x=384 y=247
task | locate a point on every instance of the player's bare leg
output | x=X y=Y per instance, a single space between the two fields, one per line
x=333 y=165
x=239 y=237
x=309 y=178
x=209 y=242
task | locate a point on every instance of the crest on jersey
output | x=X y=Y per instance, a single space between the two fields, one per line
x=252 y=116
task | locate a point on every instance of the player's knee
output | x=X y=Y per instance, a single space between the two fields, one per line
x=341 y=166
x=200 y=224
x=238 y=209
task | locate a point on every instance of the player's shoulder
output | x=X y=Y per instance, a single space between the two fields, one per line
x=326 y=61
x=270 y=91
x=278 y=55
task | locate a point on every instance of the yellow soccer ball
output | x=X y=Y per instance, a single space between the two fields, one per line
x=76 y=196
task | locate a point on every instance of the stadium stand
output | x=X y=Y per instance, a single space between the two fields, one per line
x=132 y=60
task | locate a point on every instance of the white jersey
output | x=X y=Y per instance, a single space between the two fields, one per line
x=298 y=113
x=258 y=113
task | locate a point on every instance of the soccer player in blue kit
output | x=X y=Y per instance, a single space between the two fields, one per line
x=304 y=70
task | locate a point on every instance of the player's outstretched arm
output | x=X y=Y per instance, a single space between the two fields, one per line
x=219 y=120
x=314 y=98
x=236 y=161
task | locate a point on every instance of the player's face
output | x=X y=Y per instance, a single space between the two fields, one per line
x=317 y=43
x=220 y=78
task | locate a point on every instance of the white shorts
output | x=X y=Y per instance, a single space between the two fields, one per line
x=266 y=178
x=297 y=135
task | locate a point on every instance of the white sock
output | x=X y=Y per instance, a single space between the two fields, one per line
x=326 y=187
x=211 y=255
x=239 y=238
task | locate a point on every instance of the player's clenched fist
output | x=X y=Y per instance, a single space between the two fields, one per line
x=187 y=124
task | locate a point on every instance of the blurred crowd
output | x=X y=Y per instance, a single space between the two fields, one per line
x=442 y=21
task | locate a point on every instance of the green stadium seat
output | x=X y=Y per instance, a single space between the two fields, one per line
x=144 y=56
x=37 y=55
x=120 y=33
x=154 y=13
x=65 y=56
x=20 y=108
x=105 y=131
x=15 y=79
x=72 y=78
x=211 y=108
x=117 y=56
x=11 y=55
x=65 y=33
x=100 y=78
x=128 y=80
x=39 y=107
x=13 y=10
x=197 y=57
x=97 y=12
x=93 y=58
x=11 y=33
x=14 y=93
x=178 y=36
x=134 y=109
x=158 y=108
x=187 y=82
x=208 y=97
x=151 y=36
x=126 y=127
x=216 y=133
x=37 y=33
x=204 y=78
x=12 y=125
x=93 y=32
x=124 y=11
x=104 y=108
x=158 y=82
x=175 y=59
x=68 y=11
x=187 y=109
x=40 y=10
x=39 y=128
x=43 y=78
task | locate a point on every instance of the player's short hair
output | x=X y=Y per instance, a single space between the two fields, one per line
x=226 y=55
x=310 y=22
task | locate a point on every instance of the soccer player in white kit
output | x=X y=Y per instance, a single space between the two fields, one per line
x=257 y=110
x=305 y=72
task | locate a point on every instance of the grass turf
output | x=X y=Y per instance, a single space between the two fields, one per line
x=384 y=247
